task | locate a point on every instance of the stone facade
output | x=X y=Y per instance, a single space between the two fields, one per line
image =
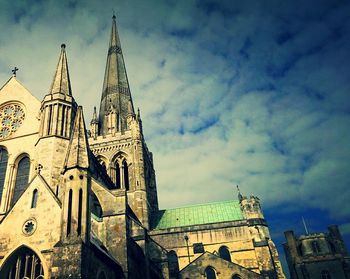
x=83 y=204
x=317 y=255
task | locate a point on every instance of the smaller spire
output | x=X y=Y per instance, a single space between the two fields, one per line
x=61 y=80
x=78 y=149
x=94 y=117
x=240 y=197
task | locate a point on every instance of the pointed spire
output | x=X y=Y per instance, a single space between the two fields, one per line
x=61 y=81
x=115 y=85
x=94 y=117
x=78 y=154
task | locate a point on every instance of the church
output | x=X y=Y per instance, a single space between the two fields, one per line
x=79 y=203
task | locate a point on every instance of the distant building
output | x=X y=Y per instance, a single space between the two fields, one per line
x=317 y=255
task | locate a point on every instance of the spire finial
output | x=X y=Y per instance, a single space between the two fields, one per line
x=63 y=46
x=14 y=71
x=113 y=14
x=240 y=197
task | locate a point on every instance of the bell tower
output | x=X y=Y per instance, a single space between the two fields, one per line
x=117 y=140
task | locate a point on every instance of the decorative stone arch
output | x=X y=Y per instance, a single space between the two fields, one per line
x=236 y=276
x=18 y=257
x=95 y=205
x=120 y=170
x=20 y=176
x=103 y=161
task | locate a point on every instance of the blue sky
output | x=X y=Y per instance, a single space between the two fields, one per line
x=252 y=93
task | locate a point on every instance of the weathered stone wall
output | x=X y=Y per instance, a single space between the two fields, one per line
x=234 y=235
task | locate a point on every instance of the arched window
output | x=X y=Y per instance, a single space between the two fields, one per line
x=3 y=167
x=225 y=253
x=325 y=274
x=24 y=263
x=210 y=273
x=173 y=264
x=34 y=199
x=126 y=175
x=315 y=247
x=236 y=276
x=22 y=177
x=102 y=275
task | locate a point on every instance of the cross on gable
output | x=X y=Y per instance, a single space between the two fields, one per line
x=38 y=168
x=14 y=71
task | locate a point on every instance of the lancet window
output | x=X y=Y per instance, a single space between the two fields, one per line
x=173 y=264
x=34 y=199
x=22 y=176
x=225 y=253
x=3 y=167
x=210 y=273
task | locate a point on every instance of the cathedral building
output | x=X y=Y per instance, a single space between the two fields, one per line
x=78 y=203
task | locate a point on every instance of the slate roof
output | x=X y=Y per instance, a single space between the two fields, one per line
x=198 y=215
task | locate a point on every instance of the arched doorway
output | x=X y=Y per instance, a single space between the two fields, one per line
x=22 y=264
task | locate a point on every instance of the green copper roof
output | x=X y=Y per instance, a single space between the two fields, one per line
x=198 y=215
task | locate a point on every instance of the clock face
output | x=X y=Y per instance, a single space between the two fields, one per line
x=11 y=118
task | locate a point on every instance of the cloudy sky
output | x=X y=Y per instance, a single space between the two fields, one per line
x=253 y=93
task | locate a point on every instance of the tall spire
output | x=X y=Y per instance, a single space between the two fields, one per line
x=61 y=81
x=115 y=86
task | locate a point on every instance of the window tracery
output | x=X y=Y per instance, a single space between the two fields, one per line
x=23 y=264
x=11 y=118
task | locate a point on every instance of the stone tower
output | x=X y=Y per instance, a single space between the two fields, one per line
x=116 y=137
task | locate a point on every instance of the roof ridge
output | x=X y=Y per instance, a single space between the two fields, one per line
x=200 y=204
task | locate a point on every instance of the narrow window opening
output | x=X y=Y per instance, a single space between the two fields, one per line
x=63 y=120
x=126 y=175
x=80 y=207
x=315 y=247
x=117 y=175
x=34 y=199
x=49 y=119
x=69 y=216
x=3 y=167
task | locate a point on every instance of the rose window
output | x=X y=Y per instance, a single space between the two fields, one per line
x=11 y=118
x=29 y=227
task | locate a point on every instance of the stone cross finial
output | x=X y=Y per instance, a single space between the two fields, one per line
x=14 y=71
x=38 y=168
